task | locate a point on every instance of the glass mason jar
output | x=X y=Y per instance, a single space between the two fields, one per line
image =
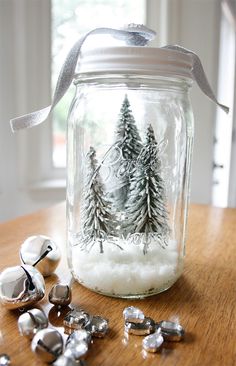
x=130 y=134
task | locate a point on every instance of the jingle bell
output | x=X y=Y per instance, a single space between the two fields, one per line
x=153 y=342
x=76 y=319
x=21 y=286
x=133 y=315
x=76 y=351
x=148 y=326
x=80 y=335
x=171 y=331
x=66 y=361
x=4 y=360
x=98 y=326
x=60 y=295
x=42 y=252
x=31 y=322
x=47 y=344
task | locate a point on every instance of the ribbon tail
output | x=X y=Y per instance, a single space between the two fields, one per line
x=64 y=80
x=201 y=79
x=67 y=72
x=199 y=75
x=30 y=120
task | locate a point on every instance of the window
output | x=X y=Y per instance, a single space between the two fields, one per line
x=71 y=19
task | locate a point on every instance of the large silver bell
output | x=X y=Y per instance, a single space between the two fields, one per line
x=21 y=286
x=41 y=251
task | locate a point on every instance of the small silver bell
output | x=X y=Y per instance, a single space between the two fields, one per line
x=21 y=286
x=76 y=351
x=153 y=342
x=47 y=344
x=76 y=319
x=60 y=295
x=66 y=361
x=32 y=321
x=171 y=331
x=133 y=315
x=148 y=326
x=80 y=335
x=41 y=251
x=98 y=326
x=4 y=360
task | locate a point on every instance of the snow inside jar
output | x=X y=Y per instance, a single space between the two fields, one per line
x=130 y=133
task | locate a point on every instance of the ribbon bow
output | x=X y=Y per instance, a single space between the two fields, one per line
x=135 y=35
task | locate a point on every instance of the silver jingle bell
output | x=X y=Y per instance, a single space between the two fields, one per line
x=80 y=335
x=76 y=351
x=133 y=315
x=66 y=361
x=76 y=319
x=32 y=321
x=21 y=286
x=4 y=360
x=153 y=343
x=47 y=344
x=35 y=248
x=171 y=331
x=148 y=326
x=98 y=326
x=60 y=295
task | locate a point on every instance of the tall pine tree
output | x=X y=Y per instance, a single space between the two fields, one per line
x=146 y=205
x=97 y=219
x=127 y=139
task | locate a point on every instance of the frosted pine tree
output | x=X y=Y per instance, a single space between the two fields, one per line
x=127 y=139
x=97 y=218
x=146 y=211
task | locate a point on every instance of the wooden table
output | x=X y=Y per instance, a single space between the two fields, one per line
x=203 y=299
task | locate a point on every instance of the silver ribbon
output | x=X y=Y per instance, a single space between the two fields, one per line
x=135 y=35
x=198 y=74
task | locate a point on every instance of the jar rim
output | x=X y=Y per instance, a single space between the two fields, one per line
x=135 y=60
x=132 y=80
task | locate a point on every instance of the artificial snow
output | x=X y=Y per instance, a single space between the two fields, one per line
x=127 y=272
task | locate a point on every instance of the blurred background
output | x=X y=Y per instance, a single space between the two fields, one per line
x=35 y=37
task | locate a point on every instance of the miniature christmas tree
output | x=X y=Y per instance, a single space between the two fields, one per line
x=146 y=205
x=127 y=139
x=96 y=216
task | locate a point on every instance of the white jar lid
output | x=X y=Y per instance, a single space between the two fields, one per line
x=135 y=60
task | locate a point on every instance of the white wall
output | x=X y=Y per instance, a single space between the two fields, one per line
x=24 y=28
x=27 y=180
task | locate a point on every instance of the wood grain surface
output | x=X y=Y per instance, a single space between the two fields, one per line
x=203 y=299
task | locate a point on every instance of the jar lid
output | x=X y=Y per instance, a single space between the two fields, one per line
x=135 y=60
